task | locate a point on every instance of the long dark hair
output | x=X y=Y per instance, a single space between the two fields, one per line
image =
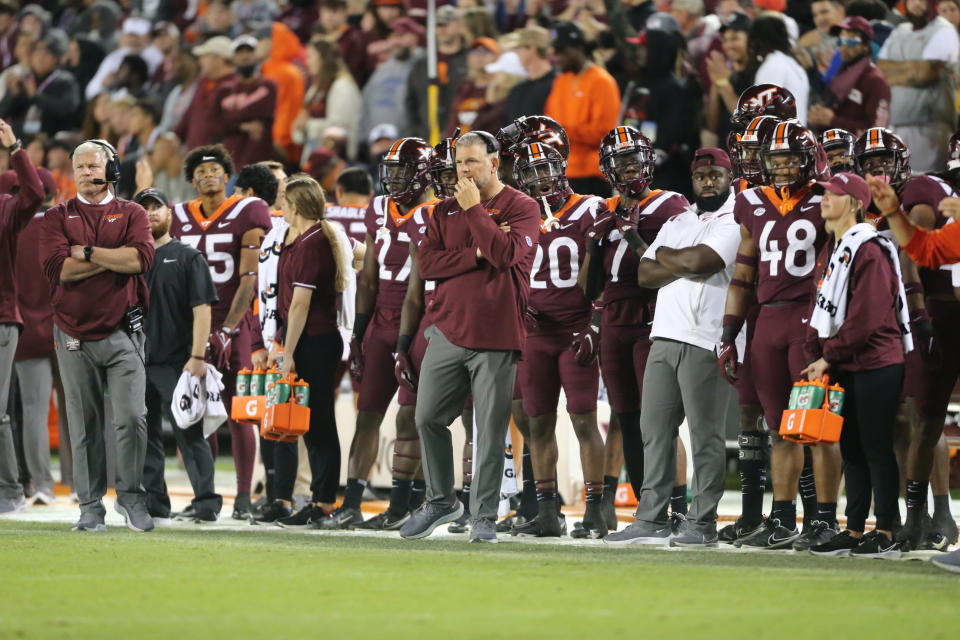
x=767 y=34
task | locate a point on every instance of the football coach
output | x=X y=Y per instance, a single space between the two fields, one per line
x=94 y=250
x=479 y=247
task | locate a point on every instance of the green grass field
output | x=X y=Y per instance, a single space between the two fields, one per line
x=191 y=583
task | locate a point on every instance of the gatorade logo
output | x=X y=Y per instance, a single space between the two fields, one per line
x=790 y=421
x=251 y=408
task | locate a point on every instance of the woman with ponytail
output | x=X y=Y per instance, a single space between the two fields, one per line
x=313 y=271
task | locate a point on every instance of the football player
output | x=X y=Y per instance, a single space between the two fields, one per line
x=838 y=144
x=781 y=232
x=624 y=227
x=228 y=231
x=933 y=368
x=405 y=176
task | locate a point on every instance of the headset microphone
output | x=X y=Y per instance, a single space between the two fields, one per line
x=102 y=181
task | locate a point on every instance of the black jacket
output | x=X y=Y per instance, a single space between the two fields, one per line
x=58 y=101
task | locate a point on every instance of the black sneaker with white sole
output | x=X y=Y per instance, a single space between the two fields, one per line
x=770 y=535
x=428 y=517
x=340 y=518
x=738 y=530
x=241 y=507
x=462 y=524
x=839 y=545
x=817 y=533
x=594 y=525
x=877 y=545
x=187 y=515
x=386 y=521
x=269 y=515
x=302 y=519
x=944 y=524
x=506 y=525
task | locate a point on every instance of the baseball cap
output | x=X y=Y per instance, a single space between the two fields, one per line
x=215 y=46
x=848 y=184
x=536 y=37
x=447 y=14
x=165 y=28
x=567 y=34
x=736 y=21
x=9 y=181
x=508 y=62
x=151 y=193
x=407 y=25
x=136 y=26
x=56 y=42
x=486 y=44
x=711 y=157
x=382 y=131
x=854 y=23
x=243 y=41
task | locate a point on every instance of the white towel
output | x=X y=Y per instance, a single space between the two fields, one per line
x=833 y=292
x=189 y=402
x=214 y=414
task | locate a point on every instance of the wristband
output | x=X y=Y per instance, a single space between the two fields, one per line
x=747 y=261
x=87 y=253
x=912 y=288
x=16 y=146
x=200 y=358
x=743 y=284
x=634 y=240
x=360 y=323
x=722 y=82
x=403 y=342
x=731 y=327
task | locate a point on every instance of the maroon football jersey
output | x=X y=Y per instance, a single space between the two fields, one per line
x=625 y=302
x=555 y=298
x=417 y=228
x=788 y=235
x=351 y=217
x=930 y=190
x=392 y=246
x=220 y=239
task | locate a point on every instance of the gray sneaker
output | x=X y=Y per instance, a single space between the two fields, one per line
x=695 y=537
x=428 y=517
x=12 y=505
x=89 y=522
x=483 y=530
x=948 y=562
x=641 y=533
x=136 y=516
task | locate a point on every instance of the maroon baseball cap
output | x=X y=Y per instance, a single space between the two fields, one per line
x=853 y=23
x=848 y=184
x=8 y=181
x=711 y=157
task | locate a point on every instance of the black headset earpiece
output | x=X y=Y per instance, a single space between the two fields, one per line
x=112 y=169
x=492 y=145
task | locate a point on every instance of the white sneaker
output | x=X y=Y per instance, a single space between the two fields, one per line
x=42 y=499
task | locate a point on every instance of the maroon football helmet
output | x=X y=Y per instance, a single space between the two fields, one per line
x=764 y=100
x=793 y=139
x=882 y=153
x=526 y=129
x=541 y=172
x=405 y=170
x=838 y=144
x=748 y=146
x=627 y=160
x=444 y=160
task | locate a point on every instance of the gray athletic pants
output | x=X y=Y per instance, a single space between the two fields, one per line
x=447 y=376
x=197 y=457
x=35 y=377
x=115 y=362
x=10 y=487
x=681 y=379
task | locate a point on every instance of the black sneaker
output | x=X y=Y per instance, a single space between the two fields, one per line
x=770 y=535
x=593 y=526
x=505 y=525
x=241 y=507
x=205 y=516
x=461 y=524
x=545 y=525
x=258 y=505
x=341 y=518
x=817 y=533
x=738 y=530
x=911 y=534
x=609 y=511
x=944 y=524
x=877 y=545
x=677 y=522
x=428 y=517
x=839 y=545
x=274 y=511
x=935 y=541
x=302 y=519
x=187 y=515
x=386 y=521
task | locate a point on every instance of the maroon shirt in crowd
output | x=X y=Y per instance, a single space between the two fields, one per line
x=33 y=296
x=869 y=337
x=15 y=212
x=309 y=262
x=353 y=50
x=480 y=303
x=862 y=101
x=240 y=103
x=197 y=127
x=93 y=308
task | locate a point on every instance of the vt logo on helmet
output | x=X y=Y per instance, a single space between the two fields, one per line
x=405 y=170
x=882 y=153
x=764 y=100
x=527 y=129
x=541 y=172
x=627 y=161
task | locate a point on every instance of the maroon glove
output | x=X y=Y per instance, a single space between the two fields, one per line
x=221 y=348
x=404 y=371
x=356 y=357
x=531 y=319
x=727 y=361
x=586 y=344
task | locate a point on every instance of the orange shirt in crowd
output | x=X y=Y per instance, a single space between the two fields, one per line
x=66 y=186
x=587 y=105
x=935 y=248
x=291 y=85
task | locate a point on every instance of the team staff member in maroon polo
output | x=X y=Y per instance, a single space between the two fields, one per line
x=94 y=250
x=483 y=282
x=15 y=212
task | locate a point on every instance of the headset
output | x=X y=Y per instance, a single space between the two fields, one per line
x=112 y=168
x=488 y=138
